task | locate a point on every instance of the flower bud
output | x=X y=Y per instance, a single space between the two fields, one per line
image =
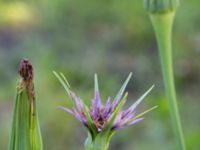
x=160 y=6
x=25 y=133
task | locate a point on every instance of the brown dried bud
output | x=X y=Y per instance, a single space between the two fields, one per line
x=26 y=70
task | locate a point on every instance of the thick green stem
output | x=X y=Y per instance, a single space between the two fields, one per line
x=162 y=23
x=100 y=142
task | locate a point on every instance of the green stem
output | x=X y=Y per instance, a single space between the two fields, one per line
x=162 y=23
x=100 y=142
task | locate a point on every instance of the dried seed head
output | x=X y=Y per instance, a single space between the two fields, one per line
x=26 y=70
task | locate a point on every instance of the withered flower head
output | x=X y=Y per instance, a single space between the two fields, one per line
x=26 y=70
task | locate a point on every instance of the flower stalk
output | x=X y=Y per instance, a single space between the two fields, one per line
x=101 y=142
x=162 y=14
x=25 y=134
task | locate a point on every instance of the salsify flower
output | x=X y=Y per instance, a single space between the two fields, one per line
x=103 y=120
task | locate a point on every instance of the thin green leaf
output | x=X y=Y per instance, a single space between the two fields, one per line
x=63 y=82
x=65 y=79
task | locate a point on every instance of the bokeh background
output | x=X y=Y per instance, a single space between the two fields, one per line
x=108 y=37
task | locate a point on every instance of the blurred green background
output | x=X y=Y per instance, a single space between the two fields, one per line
x=108 y=37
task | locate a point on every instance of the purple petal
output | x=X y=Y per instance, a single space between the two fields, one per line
x=96 y=102
x=135 y=121
x=118 y=118
x=107 y=107
x=78 y=102
x=122 y=125
x=128 y=118
x=79 y=116
x=115 y=102
x=74 y=113
x=66 y=109
x=108 y=103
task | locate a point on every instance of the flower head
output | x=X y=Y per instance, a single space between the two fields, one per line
x=100 y=118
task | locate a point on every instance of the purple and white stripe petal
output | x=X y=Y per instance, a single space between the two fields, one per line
x=67 y=110
x=135 y=121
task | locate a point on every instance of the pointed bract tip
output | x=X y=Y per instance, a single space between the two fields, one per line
x=129 y=77
x=54 y=72
x=152 y=87
x=96 y=84
x=130 y=74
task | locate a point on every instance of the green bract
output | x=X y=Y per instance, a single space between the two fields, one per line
x=25 y=127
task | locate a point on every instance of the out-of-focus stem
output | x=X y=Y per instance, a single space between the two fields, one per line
x=25 y=127
x=162 y=23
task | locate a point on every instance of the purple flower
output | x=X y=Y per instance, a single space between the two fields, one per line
x=100 y=118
